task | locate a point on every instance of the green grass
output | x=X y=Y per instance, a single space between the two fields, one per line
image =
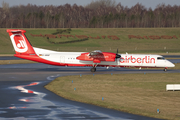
x=107 y=45
x=139 y=94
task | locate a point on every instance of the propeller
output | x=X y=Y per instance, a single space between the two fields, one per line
x=117 y=55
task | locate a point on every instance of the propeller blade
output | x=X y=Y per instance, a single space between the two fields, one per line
x=117 y=55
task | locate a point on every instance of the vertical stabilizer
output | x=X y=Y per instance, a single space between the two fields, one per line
x=20 y=42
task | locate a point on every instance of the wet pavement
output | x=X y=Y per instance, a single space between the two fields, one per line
x=34 y=102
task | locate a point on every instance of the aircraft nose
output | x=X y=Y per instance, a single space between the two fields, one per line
x=170 y=64
x=173 y=65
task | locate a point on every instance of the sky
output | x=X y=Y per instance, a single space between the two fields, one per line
x=129 y=3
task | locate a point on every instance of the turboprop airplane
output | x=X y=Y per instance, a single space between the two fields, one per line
x=96 y=58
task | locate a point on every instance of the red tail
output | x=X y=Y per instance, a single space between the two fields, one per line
x=20 y=42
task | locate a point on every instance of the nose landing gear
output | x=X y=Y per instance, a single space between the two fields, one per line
x=165 y=69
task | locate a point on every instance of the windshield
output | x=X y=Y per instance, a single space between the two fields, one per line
x=161 y=58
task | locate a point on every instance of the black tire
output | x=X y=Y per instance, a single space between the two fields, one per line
x=93 y=69
x=165 y=70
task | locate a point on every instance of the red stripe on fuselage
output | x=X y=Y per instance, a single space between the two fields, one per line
x=41 y=60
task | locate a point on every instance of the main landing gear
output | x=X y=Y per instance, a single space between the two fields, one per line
x=94 y=67
x=165 y=69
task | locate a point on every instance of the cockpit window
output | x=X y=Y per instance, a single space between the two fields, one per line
x=161 y=58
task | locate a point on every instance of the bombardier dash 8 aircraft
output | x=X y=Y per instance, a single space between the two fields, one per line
x=96 y=58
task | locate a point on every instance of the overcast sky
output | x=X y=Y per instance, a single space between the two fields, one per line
x=129 y=3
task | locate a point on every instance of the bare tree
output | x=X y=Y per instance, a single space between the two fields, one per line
x=5 y=6
x=97 y=3
x=98 y=14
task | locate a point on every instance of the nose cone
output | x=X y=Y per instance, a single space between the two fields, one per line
x=170 y=64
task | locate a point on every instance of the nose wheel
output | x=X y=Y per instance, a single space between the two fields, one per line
x=165 y=69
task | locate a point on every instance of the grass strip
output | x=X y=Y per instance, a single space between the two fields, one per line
x=148 y=46
x=139 y=94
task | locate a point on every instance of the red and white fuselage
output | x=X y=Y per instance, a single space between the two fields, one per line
x=24 y=50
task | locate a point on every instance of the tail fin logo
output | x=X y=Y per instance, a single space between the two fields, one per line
x=19 y=43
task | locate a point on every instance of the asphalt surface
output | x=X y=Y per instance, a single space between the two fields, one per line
x=23 y=96
x=171 y=56
x=9 y=58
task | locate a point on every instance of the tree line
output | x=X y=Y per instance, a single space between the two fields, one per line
x=97 y=14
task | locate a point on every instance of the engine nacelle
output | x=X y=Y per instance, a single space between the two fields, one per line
x=97 y=56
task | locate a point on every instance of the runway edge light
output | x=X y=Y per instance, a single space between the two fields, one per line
x=158 y=111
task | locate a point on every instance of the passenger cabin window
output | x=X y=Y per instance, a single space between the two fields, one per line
x=160 y=58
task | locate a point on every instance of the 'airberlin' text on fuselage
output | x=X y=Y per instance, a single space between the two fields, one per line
x=131 y=59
